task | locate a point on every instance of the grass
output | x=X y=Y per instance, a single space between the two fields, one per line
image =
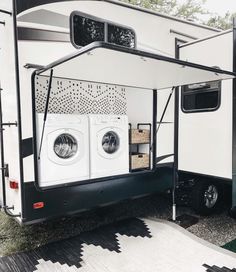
x=231 y=246
x=15 y=238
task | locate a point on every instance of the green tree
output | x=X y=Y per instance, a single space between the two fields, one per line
x=190 y=9
x=222 y=22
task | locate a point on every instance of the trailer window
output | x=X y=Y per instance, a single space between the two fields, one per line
x=86 y=30
x=121 y=36
x=201 y=97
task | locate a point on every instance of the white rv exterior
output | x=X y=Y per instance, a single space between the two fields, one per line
x=208 y=137
x=40 y=36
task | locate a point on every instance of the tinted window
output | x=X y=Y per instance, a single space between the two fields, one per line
x=201 y=97
x=87 y=30
x=121 y=36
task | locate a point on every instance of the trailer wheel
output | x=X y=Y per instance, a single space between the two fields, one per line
x=205 y=197
x=232 y=212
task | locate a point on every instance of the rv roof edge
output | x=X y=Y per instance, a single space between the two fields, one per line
x=118 y=62
x=31 y=4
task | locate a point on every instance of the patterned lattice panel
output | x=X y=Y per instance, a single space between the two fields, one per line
x=80 y=97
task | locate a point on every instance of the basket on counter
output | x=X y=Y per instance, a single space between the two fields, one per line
x=140 y=161
x=139 y=136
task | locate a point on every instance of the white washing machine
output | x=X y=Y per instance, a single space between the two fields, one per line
x=109 y=145
x=64 y=155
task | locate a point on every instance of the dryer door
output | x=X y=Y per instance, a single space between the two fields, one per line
x=65 y=146
x=110 y=142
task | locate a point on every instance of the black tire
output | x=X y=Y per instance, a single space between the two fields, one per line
x=232 y=212
x=206 y=197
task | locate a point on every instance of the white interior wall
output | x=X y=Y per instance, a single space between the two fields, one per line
x=140 y=110
x=205 y=139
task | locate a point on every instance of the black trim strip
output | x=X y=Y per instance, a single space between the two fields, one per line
x=5 y=12
x=154 y=129
x=32 y=34
x=183 y=34
x=234 y=121
x=27 y=147
x=161 y=158
x=204 y=175
x=132 y=51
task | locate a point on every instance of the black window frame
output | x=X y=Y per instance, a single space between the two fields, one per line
x=106 y=23
x=203 y=90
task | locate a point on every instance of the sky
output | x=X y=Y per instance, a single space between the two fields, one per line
x=219 y=6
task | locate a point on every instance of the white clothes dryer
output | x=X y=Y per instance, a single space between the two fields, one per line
x=64 y=155
x=109 y=145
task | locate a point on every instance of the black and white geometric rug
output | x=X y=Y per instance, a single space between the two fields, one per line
x=132 y=245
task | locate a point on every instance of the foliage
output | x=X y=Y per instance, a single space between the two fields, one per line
x=222 y=22
x=190 y=10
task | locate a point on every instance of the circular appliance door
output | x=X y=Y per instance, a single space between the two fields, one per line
x=109 y=142
x=65 y=146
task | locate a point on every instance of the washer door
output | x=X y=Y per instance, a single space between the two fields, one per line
x=65 y=146
x=109 y=142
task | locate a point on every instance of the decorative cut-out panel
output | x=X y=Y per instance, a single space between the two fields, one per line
x=80 y=97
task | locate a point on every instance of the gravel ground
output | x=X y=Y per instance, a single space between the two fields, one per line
x=219 y=229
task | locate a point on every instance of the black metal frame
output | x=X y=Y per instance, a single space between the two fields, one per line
x=182 y=34
x=234 y=123
x=137 y=146
x=89 y=181
x=176 y=132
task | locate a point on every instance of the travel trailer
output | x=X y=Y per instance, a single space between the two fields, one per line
x=89 y=105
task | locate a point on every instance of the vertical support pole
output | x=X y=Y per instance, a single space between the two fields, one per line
x=176 y=152
x=2 y=154
x=176 y=141
x=154 y=124
x=234 y=124
x=22 y=187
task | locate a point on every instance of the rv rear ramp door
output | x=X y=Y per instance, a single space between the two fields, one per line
x=107 y=63
x=132 y=245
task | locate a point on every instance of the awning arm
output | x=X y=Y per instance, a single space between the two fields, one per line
x=45 y=112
